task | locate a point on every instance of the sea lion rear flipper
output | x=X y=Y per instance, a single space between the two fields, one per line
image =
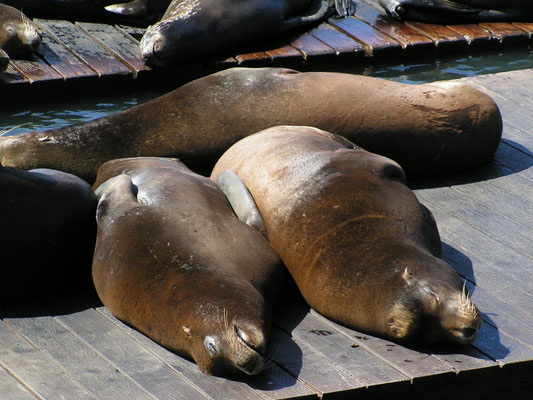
x=241 y=200
x=345 y=8
x=318 y=11
x=128 y=8
x=115 y=192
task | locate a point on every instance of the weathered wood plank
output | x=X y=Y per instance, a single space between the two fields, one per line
x=375 y=42
x=251 y=58
x=62 y=60
x=128 y=356
x=38 y=373
x=311 y=47
x=12 y=76
x=507 y=34
x=275 y=383
x=87 y=50
x=89 y=369
x=342 y=351
x=525 y=26
x=475 y=35
x=115 y=42
x=285 y=53
x=337 y=40
x=410 y=39
x=11 y=389
x=36 y=71
x=444 y=38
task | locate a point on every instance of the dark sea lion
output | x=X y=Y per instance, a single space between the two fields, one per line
x=4 y=60
x=174 y=261
x=428 y=129
x=138 y=11
x=361 y=248
x=459 y=11
x=19 y=36
x=194 y=29
x=48 y=232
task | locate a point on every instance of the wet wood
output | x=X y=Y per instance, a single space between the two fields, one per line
x=311 y=47
x=475 y=35
x=507 y=34
x=445 y=39
x=374 y=42
x=36 y=71
x=343 y=45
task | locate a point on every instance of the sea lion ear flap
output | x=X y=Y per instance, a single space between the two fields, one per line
x=407 y=274
x=114 y=191
x=241 y=200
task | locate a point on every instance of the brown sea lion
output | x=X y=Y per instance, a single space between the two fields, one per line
x=194 y=29
x=19 y=36
x=174 y=261
x=48 y=232
x=361 y=248
x=459 y=11
x=430 y=128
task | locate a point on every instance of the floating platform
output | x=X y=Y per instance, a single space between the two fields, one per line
x=72 y=347
x=81 y=52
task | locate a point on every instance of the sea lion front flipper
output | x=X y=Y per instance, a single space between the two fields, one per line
x=135 y=8
x=318 y=11
x=345 y=8
x=241 y=200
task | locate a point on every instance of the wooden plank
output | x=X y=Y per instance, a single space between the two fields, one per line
x=336 y=347
x=90 y=370
x=410 y=39
x=507 y=34
x=337 y=40
x=62 y=60
x=375 y=42
x=36 y=70
x=445 y=39
x=133 y=32
x=475 y=35
x=310 y=367
x=284 y=53
x=11 y=389
x=311 y=47
x=251 y=58
x=274 y=383
x=38 y=373
x=115 y=42
x=84 y=48
x=515 y=157
x=525 y=26
x=12 y=76
x=410 y=363
x=142 y=366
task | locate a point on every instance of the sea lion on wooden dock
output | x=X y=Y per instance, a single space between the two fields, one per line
x=174 y=261
x=194 y=29
x=431 y=128
x=48 y=232
x=459 y=11
x=359 y=245
x=19 y=37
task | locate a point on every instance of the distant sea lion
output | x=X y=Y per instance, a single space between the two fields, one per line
x=48 y=231
x=19 y=37
x=459 y=11
x=173 y=260
x=361 y=248
x=194 y=29
x=430 y=128
x=149 y=10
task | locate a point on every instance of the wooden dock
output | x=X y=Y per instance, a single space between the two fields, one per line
x=72 y=348
x=96 y=54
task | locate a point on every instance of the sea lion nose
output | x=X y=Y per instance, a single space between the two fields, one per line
x=468 y=332
x=251 y=335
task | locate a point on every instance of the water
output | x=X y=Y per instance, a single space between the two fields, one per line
x=43 y=117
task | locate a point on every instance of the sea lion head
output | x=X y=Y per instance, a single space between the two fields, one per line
x=231 y=337
x=433 y=306
x=19 y=36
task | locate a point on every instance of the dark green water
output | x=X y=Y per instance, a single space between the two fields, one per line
x=42 y=117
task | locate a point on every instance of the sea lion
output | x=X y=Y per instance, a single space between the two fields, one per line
x=428 y=129
x=19 y=37
x=361 y=248
x=194 y=29
x=48 y=232
x=4 y=60
x=174 y=261
x=136 y=11
x=459 y=11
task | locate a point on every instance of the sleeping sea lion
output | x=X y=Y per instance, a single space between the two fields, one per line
x=48 y=232
x=194 y=29
x=428 y=129
x=459 y=11
x=361 y=248
x=174 y=261
x=19 y=36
